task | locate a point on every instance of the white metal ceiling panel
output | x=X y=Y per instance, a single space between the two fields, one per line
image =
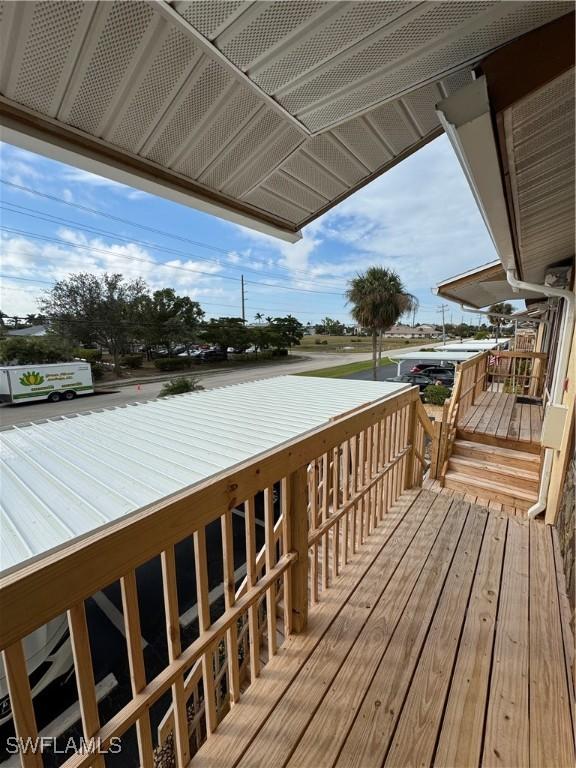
x=222 y=95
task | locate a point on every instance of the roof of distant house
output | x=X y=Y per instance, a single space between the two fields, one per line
x=32 y=330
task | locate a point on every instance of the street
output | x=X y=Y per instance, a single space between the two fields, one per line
x=12 y=415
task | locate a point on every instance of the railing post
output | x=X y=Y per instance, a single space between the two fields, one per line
x=412 y=424
x=298 y=522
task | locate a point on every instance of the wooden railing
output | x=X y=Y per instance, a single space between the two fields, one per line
x=469 y=381
x=320 y=497
x=519 y=373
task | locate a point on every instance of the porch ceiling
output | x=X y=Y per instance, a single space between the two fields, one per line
x=267 y=113
x=539 y=147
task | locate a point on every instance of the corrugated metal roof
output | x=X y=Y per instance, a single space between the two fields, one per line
x=66 y=477
x=457 y=356
x=472 y=346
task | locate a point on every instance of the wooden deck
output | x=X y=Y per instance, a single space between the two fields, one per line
x=444 y=642
x=498 y=417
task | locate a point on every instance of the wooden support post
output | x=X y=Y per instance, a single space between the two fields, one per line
x=411 y=436
x=84 y=674
x=298 y=517
x=21 y=702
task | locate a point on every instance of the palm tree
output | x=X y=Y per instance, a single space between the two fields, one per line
x=495 y=312
x=268 y=319
x=378 y=299
x=258 y=316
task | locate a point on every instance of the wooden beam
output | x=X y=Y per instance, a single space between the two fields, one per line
x=298 y=522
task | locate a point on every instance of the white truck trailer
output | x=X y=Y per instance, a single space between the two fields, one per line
x=54 y=382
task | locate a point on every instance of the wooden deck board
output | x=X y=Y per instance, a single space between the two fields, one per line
x=550 y=722
x=447 y=647
x=506 y=741
x=460 y=743
x=275 y=741
x=321 y=742
x=421 y=716
x=497 y=416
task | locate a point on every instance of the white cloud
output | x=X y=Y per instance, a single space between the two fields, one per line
x=87 y=179
x=28 y=259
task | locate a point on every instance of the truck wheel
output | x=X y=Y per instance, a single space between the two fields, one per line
x=70 y=395
x=54 y=397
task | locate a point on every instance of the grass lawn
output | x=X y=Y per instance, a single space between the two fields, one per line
x=337 y=371
x=318 y=343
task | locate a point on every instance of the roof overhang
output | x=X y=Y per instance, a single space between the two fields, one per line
x=480 y=287
x=513 y=131
x=267 y=114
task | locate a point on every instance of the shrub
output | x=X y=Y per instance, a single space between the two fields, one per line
x=172 y=363
x=91 y=355
x=436 y=394
x=180 y=386
x=279 y=353
x=133 y=360
x=34 y=350
x=97 y=371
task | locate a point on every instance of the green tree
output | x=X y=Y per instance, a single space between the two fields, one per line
x=285 y=332
x=169 y=318
x=258 y=317
x=495 y=312
x=227 y=332
x=333 y=327
x=106 y=309
x=27 y=350
x=379 y=299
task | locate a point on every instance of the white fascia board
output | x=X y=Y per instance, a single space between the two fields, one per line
x=466 y=118
x=59 y=151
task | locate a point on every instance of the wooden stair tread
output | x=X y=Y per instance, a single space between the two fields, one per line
x=498 y=450
x=491 y=488
x=500 y=469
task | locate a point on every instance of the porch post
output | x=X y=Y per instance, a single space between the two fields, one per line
x=298 y=525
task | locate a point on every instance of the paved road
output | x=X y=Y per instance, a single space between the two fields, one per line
x=33 y=412
x=11 y=415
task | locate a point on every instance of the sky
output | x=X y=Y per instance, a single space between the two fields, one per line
x=418 y=218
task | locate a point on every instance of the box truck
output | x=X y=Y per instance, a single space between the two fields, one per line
x=54 y=382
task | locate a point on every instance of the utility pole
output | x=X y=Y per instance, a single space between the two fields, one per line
x=243 y=301
x=443 y=308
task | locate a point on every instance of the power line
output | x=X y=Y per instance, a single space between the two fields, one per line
x=49 y=218
x=154 y=263
x=200 y=301
x=122 y=220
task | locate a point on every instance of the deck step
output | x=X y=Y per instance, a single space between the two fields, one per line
x=521 y=498
x=490 y=470
x=493 y=441
x=495 y=454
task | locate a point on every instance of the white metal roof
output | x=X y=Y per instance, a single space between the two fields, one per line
x=454 y=356
x=264 y=112
x=472 y=346
x=64 y=478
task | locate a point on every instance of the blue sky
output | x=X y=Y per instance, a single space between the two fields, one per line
x=419 y=218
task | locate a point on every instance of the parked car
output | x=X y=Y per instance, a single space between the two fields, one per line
x=415 y=379
x=212 y=355
x=421 y=367
x=443 y=374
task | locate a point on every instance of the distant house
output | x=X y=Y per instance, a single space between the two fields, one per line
x=400 y=331
x=32 y=330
